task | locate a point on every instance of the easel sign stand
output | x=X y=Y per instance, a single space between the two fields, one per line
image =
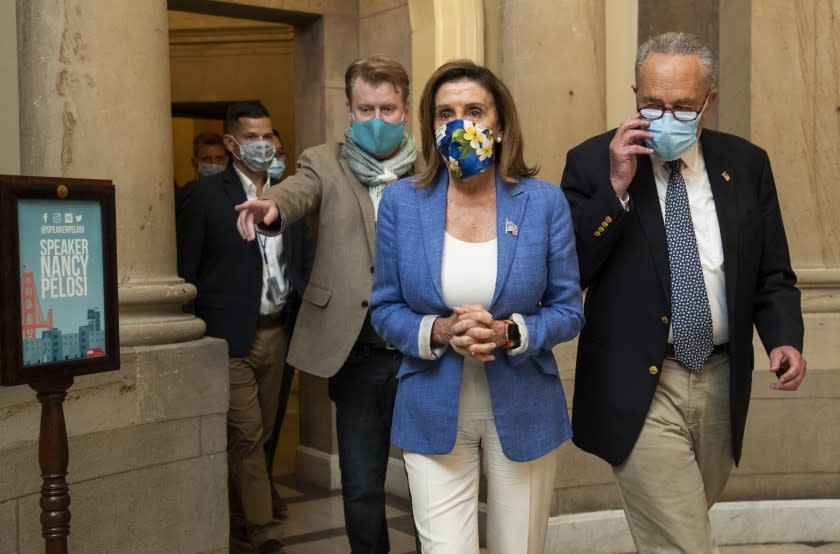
x=60 y=312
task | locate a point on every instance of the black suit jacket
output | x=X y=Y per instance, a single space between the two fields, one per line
x=625 y=268
x=227 y=270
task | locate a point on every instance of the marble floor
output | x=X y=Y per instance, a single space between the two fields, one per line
x=315 y=525
x=315 y=522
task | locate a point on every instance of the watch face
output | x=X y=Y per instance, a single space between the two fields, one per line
x=513 y=332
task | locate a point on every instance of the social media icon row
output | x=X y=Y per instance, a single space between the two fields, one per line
x=66 y=217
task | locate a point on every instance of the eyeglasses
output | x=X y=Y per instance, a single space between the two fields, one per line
x=680 y=114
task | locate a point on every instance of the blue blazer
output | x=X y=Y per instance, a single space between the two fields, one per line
x=537 y=277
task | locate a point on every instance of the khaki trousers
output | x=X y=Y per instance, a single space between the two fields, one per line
x=255 y=382
x=681 y=461
x=444 y=488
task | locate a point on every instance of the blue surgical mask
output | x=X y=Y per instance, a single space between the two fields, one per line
x=671 y=137
x=376 y=136
x=207 y=169
x=256 y=155
x=277 y=168
x=466 y=147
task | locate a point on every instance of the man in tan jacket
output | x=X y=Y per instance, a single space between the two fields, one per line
x=340 y=185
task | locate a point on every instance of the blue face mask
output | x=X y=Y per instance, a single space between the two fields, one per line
x=207 y=169
x=671 y=138
x=276 y=168
x=376 y=136
x=466 y=147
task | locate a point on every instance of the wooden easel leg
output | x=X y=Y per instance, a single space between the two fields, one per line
x=53 y=457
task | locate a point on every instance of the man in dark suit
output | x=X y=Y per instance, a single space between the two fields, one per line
x=245 y=296
x=682 y=249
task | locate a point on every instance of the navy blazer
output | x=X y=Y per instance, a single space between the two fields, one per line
x=624 y=263
x=226 y=270
x=537 y=277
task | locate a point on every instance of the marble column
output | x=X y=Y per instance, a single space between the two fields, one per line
x=442 y=31
x=95 y=103
x=552 y=57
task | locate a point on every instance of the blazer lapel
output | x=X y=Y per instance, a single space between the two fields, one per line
x=365 y=203
x=233 y=186
x=510 y=208
x=647 y=208
x=723 y=180
x=431 y=203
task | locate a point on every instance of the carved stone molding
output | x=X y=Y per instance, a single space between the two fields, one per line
x=186 y=43
x=820 y=289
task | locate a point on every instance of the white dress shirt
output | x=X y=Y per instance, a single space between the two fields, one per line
x=706 y=229
x=271 y=250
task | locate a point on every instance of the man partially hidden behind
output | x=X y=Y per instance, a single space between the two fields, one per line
x=341 y=184
x=209 y=157
x=209 y=154
x=682 y=248
x=245 y=296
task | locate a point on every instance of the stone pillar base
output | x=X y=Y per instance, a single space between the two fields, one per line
x=148 y=455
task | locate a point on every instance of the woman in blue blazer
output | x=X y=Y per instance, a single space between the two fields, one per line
x=476 y=280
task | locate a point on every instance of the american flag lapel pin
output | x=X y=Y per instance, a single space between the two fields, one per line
x=725 y=175
x=510 y=227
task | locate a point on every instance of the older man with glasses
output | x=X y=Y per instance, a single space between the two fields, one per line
x=682 y=248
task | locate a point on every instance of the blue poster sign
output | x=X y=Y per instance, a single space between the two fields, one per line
x=62 y=280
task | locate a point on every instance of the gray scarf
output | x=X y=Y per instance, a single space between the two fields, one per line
x=372 y=172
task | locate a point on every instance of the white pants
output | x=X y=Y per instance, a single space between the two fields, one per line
x=444 y=489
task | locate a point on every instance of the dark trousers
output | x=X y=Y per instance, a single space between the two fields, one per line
x=364 y=391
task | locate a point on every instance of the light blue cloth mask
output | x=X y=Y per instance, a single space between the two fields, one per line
x=277 y=168
x=376 y=136
x=671 y=137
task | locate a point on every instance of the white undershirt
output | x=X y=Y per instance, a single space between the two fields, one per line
x=271 y=249
x=468 y=271
x=706 y=229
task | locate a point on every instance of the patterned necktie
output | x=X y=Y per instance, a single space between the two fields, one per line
x=691 y=317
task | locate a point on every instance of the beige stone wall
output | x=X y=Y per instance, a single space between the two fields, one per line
x=552 y=57
x=148 y=464
x=793 y=78
x=384 y=28
x=9 y=111
x=220 y=59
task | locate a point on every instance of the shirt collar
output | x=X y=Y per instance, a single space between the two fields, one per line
x=248 y=184
x=691 y=157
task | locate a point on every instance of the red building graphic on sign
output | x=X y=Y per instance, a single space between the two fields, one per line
x=31 y=315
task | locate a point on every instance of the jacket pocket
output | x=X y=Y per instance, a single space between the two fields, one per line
x=317 y=295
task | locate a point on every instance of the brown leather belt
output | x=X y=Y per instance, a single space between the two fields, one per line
x=717 y=349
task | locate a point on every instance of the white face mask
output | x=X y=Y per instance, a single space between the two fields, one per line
x=257 y=155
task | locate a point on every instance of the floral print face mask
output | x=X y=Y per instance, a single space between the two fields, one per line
x=466 y=147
